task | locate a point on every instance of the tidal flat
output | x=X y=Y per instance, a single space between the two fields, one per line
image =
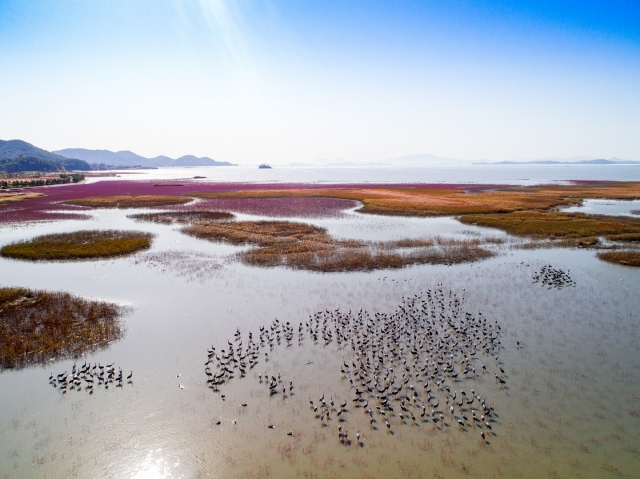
x=563 y=390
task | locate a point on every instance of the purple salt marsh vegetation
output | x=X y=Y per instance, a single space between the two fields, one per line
x=49 y=206
x=293 y=207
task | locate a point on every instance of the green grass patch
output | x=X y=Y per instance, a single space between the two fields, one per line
x=79 y=245
x=37 y=326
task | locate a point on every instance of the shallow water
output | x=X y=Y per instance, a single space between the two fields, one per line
x=569 y=408
x=464 y=174
x=606 y=207
x=353 y=225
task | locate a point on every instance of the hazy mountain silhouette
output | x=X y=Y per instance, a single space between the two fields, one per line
x=129 y=158
x=597 y=161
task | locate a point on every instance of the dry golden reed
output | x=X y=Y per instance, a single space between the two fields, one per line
x=261 y=233
x=37 y=326
x=523 y=211
x=129 y=201
x=15 y=197
x=183 y=217
x=303 y=246
x=556 y=225
x=626 y=258
x=453 y=201
x=627 y=237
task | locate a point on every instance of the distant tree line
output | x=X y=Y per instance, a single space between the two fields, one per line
x=63 y=179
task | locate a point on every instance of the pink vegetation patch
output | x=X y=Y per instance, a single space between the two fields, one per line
x=50 y=206
x=301 y=207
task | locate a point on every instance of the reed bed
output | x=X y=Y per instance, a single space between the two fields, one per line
x=364 y=259
x=493 y=240
x=628 y=237
x=79 y=245
x=556 y=225
x=284 y=207
x=392 y=201
x=450 y=200
x=589 y=241
x=129 y=201
x=260 y=233
x=15 y=197
x=626 y=258
x=43 y=208
x=403 y=200
x=191 y=265
x=303 y=246
x=182 y=217
x=37 y=326
x=534 y=244
x=407 y=243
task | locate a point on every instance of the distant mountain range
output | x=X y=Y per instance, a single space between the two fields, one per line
x=428 y=160
x=600 y=161
x=18 y=155
x=408 y=160
x=425 y=160
x=128 y=158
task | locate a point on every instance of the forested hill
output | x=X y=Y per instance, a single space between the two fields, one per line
x=18 y=155
x=31 y=163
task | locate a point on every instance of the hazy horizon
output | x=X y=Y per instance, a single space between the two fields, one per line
x=288 y=82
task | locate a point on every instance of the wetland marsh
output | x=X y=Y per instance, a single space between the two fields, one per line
x=546 y=338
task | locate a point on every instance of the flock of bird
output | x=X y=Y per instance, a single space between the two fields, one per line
x=405 y=368
x=553 y=278
x=89 y=376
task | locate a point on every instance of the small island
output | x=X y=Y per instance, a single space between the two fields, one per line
x=264 y=166
x=79 y=245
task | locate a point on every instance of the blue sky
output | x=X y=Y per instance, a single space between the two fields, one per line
x=293 y=81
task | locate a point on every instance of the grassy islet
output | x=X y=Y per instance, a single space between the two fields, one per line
x=626 y=258
x=129 y=201
x=91 y=244
x=556 y=225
